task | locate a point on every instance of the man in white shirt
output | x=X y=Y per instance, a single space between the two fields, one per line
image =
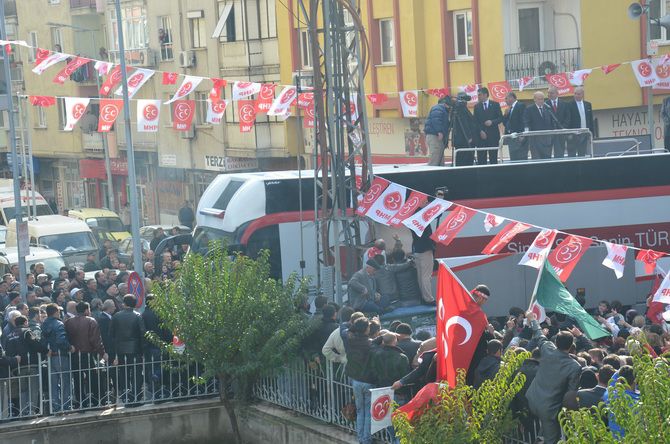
x=561 y=117
x=581 y=116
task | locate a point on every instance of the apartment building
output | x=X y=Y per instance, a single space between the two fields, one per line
x=421 y=44
x=229 y=39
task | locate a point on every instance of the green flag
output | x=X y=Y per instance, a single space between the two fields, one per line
x=553 y=296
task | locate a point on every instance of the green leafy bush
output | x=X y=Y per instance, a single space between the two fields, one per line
x=466 y=414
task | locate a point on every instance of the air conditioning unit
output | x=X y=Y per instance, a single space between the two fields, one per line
x=190 y=134
x=187 y=59
x=303 y=78
x=145 y=57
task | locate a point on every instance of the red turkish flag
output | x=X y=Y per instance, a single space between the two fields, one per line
x=438 y=92
x=565 y=256
x=416 y=407
x=452 y=225
x=112 y=81
x=215 y=93
x=415 y=200
x=41 y=55
x=562 y=82
x=504 y=237
x=69 y=69
x=265 y=98
x=460 y=324
x=183 y=112
x=499 y=90
x=109 y=111
x=649 y=258
x=43 y=101
x=377 y=99
x=609 y=68
x=170 y=78
x=378 y=186
x=247 y=113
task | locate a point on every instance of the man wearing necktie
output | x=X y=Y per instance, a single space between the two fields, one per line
x=537 y=118
x=561 y=118
x=581 y=116
x=488 y=117
x=513 y=121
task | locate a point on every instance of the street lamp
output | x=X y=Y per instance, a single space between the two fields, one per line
x=635 y=10
x=105 y=147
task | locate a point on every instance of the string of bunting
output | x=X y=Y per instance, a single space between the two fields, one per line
x=388 y=203
x=259 y=98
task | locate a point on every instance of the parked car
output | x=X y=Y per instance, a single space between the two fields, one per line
x=102 y=219
x=51 y=259
x=126 y=249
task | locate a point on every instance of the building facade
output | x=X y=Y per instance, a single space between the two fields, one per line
x=422 y=44
x=228 y=39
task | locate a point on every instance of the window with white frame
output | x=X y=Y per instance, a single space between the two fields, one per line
x=260 y=21
x=56 y=39
x=134 y=24
x=463 y=34
x=198 y=32
x=165 y=37
x=659 y=8
x=201 y=106
x=387 y=41
x=305 y=50
x=530 y=29
x=62 y=114
x=228 y=29
x=32 y=41
x=40 y=117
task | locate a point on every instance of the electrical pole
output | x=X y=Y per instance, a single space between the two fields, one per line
x=16 y=174
x=134 y=201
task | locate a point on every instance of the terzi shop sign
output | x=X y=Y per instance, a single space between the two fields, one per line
x=228 y=164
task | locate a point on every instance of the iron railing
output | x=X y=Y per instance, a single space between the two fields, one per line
x=82 y=4
x=76 y=382
x=321 y=390
x=541 y=63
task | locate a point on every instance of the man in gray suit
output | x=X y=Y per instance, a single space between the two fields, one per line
x=557 y=374
x=362 y=290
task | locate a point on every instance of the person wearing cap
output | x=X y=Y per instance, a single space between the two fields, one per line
x=437 y=131
x=480 y=294
x=405 y=342
x=362 y=289
x=77 y=295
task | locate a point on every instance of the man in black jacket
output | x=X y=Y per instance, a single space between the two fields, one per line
x=152 y=353
x=464 y=130
x=488 y=117
x=513 y=121
x=127 y=332
x=537 y=118
x=437 y=131
x=581 y=116
x=560 y=114
x=488 y=367
x=592 y=397
x=388 y=363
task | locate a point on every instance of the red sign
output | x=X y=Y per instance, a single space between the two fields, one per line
x=438 y=92
x=377 y=99
x=565 y=256
x=182 y=114
x=452 y=225
x=44 y=101
x=109 y=112
x=247 y=112
x=265 y=98
x=136 y=288
x=498 y=90
x=380 y=407
x=609 y=68
x=562 y=82
x=112 y=80
x=170 y=78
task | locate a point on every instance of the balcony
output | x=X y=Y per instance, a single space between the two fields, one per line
x=74 y=4
x=92 y=142
x=541 y=63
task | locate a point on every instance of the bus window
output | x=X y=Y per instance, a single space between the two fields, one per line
x=204 y=235
x=228 y=193
x=267 y=239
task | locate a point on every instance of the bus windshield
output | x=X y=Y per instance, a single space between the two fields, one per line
x=204 y=235
x=69 y=242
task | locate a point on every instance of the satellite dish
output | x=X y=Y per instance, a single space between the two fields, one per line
x=635 y=10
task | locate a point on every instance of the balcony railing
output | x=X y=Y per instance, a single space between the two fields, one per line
x=82 y=4
x=541 y=63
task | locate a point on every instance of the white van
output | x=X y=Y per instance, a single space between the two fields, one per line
x=70 y=237
x=7 y=210
x=52 y=260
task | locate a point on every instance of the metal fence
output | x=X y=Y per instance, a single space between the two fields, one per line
x=541 y=63
x=321 y=390
x=66 y=383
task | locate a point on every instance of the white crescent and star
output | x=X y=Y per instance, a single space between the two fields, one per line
x=457 y=320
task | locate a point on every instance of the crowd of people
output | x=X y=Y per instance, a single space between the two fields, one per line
x=481 y=127
x=81 y=325
x=565 y=370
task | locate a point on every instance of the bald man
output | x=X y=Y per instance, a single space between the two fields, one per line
x=538 y=118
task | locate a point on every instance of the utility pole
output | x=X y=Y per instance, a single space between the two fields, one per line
x=16 y=174
x=134 y=201
x=339 y=66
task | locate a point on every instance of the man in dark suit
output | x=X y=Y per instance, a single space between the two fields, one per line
x=592 y=397
x=513 y=121
x=581 y=116
x=560 y=114
x=537 y=118
x=488 y=116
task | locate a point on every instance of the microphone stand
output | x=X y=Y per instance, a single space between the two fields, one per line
x=553 y=116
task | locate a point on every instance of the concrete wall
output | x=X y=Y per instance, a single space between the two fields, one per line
x=201 y=422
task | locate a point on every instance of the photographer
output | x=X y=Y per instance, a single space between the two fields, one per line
x=437 y=131
x=464 y=130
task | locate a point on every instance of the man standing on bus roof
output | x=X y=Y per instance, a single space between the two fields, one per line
x=437 y=131
x=488 y=116
x=186 y=215
x=581 y=116
x=423 y=248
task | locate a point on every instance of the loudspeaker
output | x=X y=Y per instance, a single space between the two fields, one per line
x=663 y=21
x=635 y=10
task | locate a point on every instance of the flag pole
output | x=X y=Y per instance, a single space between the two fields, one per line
x=533 y=296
